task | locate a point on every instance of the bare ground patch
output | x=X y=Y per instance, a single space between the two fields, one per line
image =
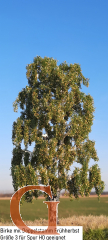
x=9 y=198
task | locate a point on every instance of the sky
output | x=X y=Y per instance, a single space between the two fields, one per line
x=67 y=30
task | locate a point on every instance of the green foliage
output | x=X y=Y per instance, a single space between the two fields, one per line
x=46 y=99
x=24 y=176
x=95 y=234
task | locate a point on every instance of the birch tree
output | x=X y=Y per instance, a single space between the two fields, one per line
x=66 y=117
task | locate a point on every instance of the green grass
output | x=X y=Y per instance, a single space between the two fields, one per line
x=5 y=210
x=97 y=234
x=66 y=208
x=83 y=206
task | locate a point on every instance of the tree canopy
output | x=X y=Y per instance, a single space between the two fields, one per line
x=46 y=103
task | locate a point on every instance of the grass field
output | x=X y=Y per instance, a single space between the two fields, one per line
x=86 y=212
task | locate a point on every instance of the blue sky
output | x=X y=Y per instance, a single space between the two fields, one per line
x=75 y=31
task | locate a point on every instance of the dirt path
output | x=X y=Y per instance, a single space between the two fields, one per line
x=9 y=198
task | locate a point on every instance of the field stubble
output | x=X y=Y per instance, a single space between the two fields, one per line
x=93 y=222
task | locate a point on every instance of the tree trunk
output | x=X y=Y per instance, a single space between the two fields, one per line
x=56 y=198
